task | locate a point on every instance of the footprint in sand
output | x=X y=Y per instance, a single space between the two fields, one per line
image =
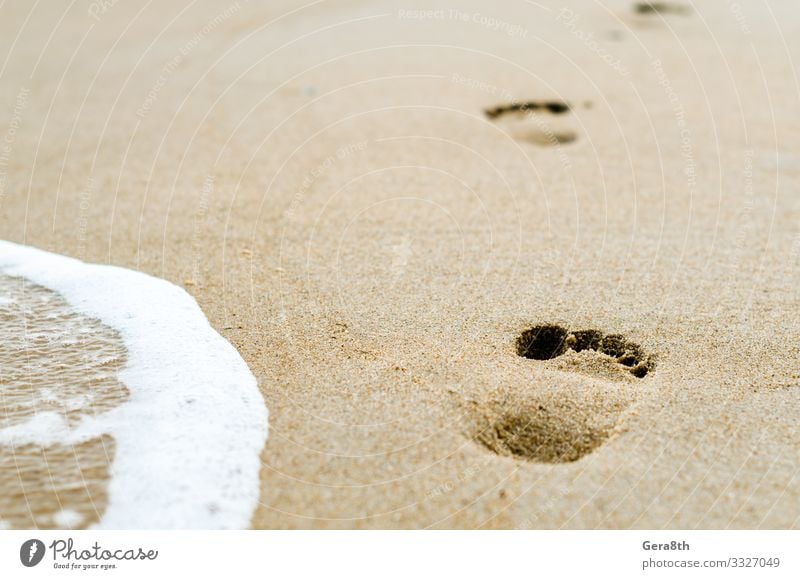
x=589 y=382
x=654 y=15
x=656 y=8
x=533 y=121
x=550 y=341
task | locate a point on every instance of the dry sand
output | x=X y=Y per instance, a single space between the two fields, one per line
x=324 y=180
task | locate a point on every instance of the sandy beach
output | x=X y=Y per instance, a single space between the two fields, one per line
x=374 y=201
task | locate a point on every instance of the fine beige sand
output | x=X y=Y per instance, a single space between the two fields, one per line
x=325 y=180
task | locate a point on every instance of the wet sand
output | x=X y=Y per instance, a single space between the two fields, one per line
x=326 y=182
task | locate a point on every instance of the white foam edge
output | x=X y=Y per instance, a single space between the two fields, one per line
x=188 y=440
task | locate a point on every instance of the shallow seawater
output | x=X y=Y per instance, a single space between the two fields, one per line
x=120 y=405
x=56 y=365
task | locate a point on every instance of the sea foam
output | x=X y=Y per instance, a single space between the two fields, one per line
x=190 y=434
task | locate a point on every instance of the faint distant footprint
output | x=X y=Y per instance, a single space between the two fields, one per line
x=654 y=8
x=538 y=127
x=575 y=408
x=554 y=107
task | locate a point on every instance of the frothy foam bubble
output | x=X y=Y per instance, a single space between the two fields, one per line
x=67 y=519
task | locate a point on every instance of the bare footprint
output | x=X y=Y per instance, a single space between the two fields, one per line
x=577 y=405
x=562 y=424
x=548 y=341
x=522 y=109
x=545 y=138
x=532 y=121
x=654 y=8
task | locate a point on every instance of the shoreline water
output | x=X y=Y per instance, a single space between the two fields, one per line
x=189 y=437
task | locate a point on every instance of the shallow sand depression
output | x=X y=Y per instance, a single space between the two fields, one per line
x=333 y=183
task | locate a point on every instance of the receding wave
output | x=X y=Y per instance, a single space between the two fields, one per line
x=120 y=406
